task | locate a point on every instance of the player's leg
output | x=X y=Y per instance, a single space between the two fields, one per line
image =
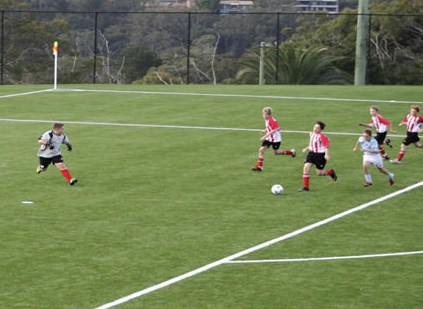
x=287 y=152
x=260 y=158
x=306 y=176
x=368 y=178
x=60 y=165
x=390 y=175
x=380 y=137
x=44 y=163
x=320 y=168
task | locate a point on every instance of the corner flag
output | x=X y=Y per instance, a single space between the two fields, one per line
x=55 y=53
x=55 y=48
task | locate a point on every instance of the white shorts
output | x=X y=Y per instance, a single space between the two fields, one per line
x=375 y=160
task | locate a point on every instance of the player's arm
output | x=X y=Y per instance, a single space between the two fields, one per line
x=42 y=141
x=365 y=125
x=68 y=144
x=327 y=157
x=269 y=133
x=356 y=145
x=403 y=122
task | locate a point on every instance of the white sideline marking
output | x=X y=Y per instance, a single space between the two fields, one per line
x=239 y=96
x=329 y=258
x=255 y=248
x=23 y=93
x=171 y=126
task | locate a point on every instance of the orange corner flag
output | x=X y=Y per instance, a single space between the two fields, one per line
x=55 y=48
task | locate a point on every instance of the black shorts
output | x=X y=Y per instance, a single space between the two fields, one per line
x=380 y=137
x=45 y=162
x=317 y=159
x=412 y=137
x=267 y=144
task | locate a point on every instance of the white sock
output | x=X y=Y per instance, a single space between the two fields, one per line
x=368 y=178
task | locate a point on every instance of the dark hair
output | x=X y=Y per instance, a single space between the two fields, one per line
x=416 y=107
x=58 y=125
x=321 y=124
x=368 y=132
x=375 y=108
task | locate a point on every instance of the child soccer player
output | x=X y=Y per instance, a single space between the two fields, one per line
x=49 y=151
x=382 y=126
x=271 y=138
x=414 y=126
x=318 y=155
x=371 y=156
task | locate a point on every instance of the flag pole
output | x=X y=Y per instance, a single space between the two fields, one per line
x=55 y=53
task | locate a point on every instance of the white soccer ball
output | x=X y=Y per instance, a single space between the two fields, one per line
x=277 y=189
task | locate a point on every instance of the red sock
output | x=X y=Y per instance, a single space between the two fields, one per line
x=287 y=152
x=306 y=180
x=66 y=174
x=382 y=151
x=260 y=162
x=328 y=172
x=401 y=155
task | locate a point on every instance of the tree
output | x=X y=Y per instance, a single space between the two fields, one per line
x=138 y=60
x=208 y=5
x=313 y=65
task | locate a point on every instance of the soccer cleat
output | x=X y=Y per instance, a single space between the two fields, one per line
x=257 y=168
x=385 y=157
x=294 y=152
x=73 y=181
x=368 y=184
x=391 y=181
x=388 y=142
x=304 y=189
x=395 y=161
x=333 y=175
x=39 y=169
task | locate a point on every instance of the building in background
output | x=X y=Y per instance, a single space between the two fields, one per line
x=331 y=6
x=227 y=6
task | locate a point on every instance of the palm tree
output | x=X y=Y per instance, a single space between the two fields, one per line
x=288 y=65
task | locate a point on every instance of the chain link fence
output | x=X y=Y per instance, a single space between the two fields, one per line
x=194 y=47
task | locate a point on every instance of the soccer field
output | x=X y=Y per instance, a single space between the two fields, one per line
x=168 y=214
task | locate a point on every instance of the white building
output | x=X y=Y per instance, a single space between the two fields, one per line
x=331 y=6
x=227 y=6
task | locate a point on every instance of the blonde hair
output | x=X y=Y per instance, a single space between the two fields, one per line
x=268 y=110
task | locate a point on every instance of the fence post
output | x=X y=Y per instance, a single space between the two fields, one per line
x=2 y=49
x=278 y=39
x=369 y=54
x=188 y=46
x=95 y=47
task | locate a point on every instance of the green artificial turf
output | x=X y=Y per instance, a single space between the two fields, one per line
x=165 y=187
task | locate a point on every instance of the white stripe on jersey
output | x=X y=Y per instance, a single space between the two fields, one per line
x=413 y=123
x=318 y=142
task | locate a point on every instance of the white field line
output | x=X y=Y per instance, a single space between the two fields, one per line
x=255 y=248
x=329 y=258
x=239 y=96
x=23 y=93
x=171 y=126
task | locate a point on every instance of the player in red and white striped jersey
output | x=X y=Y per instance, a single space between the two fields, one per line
x=271 y=138
x=414 y=126
x=382 y=125
x=318 y=155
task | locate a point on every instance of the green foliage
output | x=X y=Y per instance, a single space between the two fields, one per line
x=138 y=60
x=207 y=5
x=313 y=65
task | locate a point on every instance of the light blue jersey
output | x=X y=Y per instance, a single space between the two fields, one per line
x=369 y=145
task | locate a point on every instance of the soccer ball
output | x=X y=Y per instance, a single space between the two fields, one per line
x=277 y=189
